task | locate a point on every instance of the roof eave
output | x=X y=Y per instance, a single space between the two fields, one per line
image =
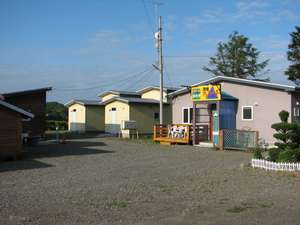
x=17 y=109
x=9 y=94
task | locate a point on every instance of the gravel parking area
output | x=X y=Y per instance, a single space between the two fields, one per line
x=110 y=181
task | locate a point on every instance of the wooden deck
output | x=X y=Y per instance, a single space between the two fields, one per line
x=172 y=134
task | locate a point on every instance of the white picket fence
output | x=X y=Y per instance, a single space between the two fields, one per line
x=267 y=165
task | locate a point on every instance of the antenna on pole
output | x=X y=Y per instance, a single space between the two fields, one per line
x=160 y=68
x=158 y=38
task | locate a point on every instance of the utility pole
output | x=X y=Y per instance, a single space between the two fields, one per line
x=161 y=70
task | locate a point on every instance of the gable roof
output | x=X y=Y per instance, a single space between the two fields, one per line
x=83 y=102
x=255 y=83
x=30 y=91
x=16 y=109
x=149 y=88
x=132 y=100
x=115 y=92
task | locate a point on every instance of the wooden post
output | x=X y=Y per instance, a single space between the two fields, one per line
x=221 y=140
x=194 y=123
x=257 y=139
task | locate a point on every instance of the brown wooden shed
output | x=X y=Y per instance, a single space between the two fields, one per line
x=33 y=101
x=11 y=129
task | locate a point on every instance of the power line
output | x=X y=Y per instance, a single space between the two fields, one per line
x=129 y=78
x=142 y=79
x=148 y=16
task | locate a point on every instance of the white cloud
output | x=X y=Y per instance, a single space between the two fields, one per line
x=245 y=11
x=273 y=42
x=246 y=6
x=192 y=23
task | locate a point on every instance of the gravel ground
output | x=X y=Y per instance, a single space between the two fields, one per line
x=110 y=181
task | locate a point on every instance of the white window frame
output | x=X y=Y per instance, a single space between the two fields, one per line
x=247 y=106
x=189 y=116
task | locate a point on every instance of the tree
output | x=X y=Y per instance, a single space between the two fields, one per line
x=288 y=140
x=56 y=111
x=285 y=131
x=237 y=58
x=293 y=55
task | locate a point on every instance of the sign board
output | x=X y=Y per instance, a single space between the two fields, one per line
x=206 y=93
x=128 y=125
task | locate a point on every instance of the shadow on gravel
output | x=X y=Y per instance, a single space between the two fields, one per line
x=26 y=164
x=71 y=148
x=71 y=135
x=52 y=149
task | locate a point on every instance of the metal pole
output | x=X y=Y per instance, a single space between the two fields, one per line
x=161 y=120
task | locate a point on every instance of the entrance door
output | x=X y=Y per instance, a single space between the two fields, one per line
x=73 y=121
x=114 y=126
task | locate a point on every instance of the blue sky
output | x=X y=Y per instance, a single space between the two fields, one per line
x=82 y=48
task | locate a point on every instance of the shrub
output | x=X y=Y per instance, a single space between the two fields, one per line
x=284 y=116
x=52 y=124
x=289 y=155
x=288 y=140
x=286 y=132
x=257 y=154
x=273 y=154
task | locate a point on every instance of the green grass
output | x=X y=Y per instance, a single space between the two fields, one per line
x=236 y=209
x=117 y=204
x=165 y=188
x=265 y=205
x=244 y=206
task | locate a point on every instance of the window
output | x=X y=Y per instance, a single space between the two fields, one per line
x=156 y=115
x=113 y=109
x=247 y=113
x=187 y=115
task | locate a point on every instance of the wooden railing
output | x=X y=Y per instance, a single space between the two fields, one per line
x=174 y=133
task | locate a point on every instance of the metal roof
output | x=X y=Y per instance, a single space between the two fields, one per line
x=83 y=102
x=116 y=92
x=238 y=81
x=30 y=91
x=16 y=109
x=133 y=100
x=171 y=89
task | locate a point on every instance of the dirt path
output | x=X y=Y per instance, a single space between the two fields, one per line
x=107 y=181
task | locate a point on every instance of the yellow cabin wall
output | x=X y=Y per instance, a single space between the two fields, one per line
x=95 y=118
x=77 y=121
x=108 y=96
x=154 y=94
x=122 y=113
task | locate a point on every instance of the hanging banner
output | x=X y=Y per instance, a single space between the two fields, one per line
x=206 y=93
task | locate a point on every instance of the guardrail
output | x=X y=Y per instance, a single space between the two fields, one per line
x=267 y=165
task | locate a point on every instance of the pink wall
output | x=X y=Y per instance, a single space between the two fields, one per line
x=267 y=103
x=178 y=103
